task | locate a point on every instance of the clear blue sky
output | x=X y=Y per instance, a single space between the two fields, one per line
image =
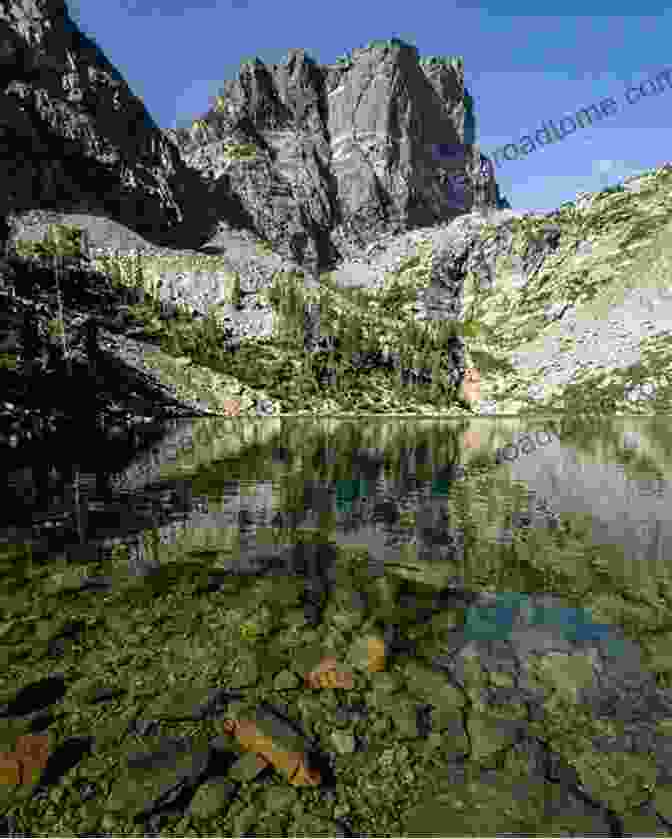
x=522 y=68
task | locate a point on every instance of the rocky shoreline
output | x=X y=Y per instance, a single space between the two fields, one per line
x=497 y=717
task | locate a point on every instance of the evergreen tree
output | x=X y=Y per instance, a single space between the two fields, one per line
x=371 y=345
x=30 y=337
x=332 y=376
x=138 y=274
x=404 y=364
x=115 y=273
x=437 y=385
x=293 y=312
x=236 y=297
x=352 y=340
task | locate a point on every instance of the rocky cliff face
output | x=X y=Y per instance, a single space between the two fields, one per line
x=74 y=136
x=326 y=158
x=318 y=160
x=350 y=167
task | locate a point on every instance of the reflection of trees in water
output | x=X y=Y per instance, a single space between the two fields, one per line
x=315 y=563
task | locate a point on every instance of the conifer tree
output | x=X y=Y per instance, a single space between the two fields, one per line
x=115 y=273
x=138 y=276
x=353 y=336
x=236 y=296
x=436 y=387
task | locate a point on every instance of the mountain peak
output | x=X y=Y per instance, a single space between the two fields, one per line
x=317 y=159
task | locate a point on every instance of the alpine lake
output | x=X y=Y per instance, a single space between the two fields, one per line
x=451 y=627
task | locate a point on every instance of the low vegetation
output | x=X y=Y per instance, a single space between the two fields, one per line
x=240 y=151
x=373 y=363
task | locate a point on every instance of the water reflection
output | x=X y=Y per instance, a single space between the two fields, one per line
x=231 y=536
x=427 y=501
x=510 y=610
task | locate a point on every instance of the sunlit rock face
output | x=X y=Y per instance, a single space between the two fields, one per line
x=324 y=159
x=319 y=160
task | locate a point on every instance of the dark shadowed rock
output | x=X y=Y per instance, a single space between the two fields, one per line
x=76 y=137
x=35 y=697
x=66 y=755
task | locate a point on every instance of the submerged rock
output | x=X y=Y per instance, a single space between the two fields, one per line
x=531 y=723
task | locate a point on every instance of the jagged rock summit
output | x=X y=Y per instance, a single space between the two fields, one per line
x=78 y=140
x=318 y=160
x=326 y=158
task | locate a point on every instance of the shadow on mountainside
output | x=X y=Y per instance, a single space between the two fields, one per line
x=45 y=385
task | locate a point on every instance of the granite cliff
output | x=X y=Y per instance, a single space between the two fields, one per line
x=326 y=158
x=309 y=157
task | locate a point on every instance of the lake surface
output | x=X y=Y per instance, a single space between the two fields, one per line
x=547 y=525
x=389 y=486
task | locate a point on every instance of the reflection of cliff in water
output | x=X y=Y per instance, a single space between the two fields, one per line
x=68 y=478
x=370 y=503
x=631 y=513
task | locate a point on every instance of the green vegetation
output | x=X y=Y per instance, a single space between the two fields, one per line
x=264 y=247
x=240 y=151
x=61 y=240
x=8 y=361
x=447 y=60
x=364 y=369
x=299 y=380
x=237 y=298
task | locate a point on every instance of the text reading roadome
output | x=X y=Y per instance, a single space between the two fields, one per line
x=606 y=108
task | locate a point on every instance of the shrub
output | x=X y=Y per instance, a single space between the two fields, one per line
x=60 y=240
x=55 y=328
x=8 y=361
x=240 y=151
x=264 y=247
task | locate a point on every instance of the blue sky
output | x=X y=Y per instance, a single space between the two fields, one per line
x=522 y=68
